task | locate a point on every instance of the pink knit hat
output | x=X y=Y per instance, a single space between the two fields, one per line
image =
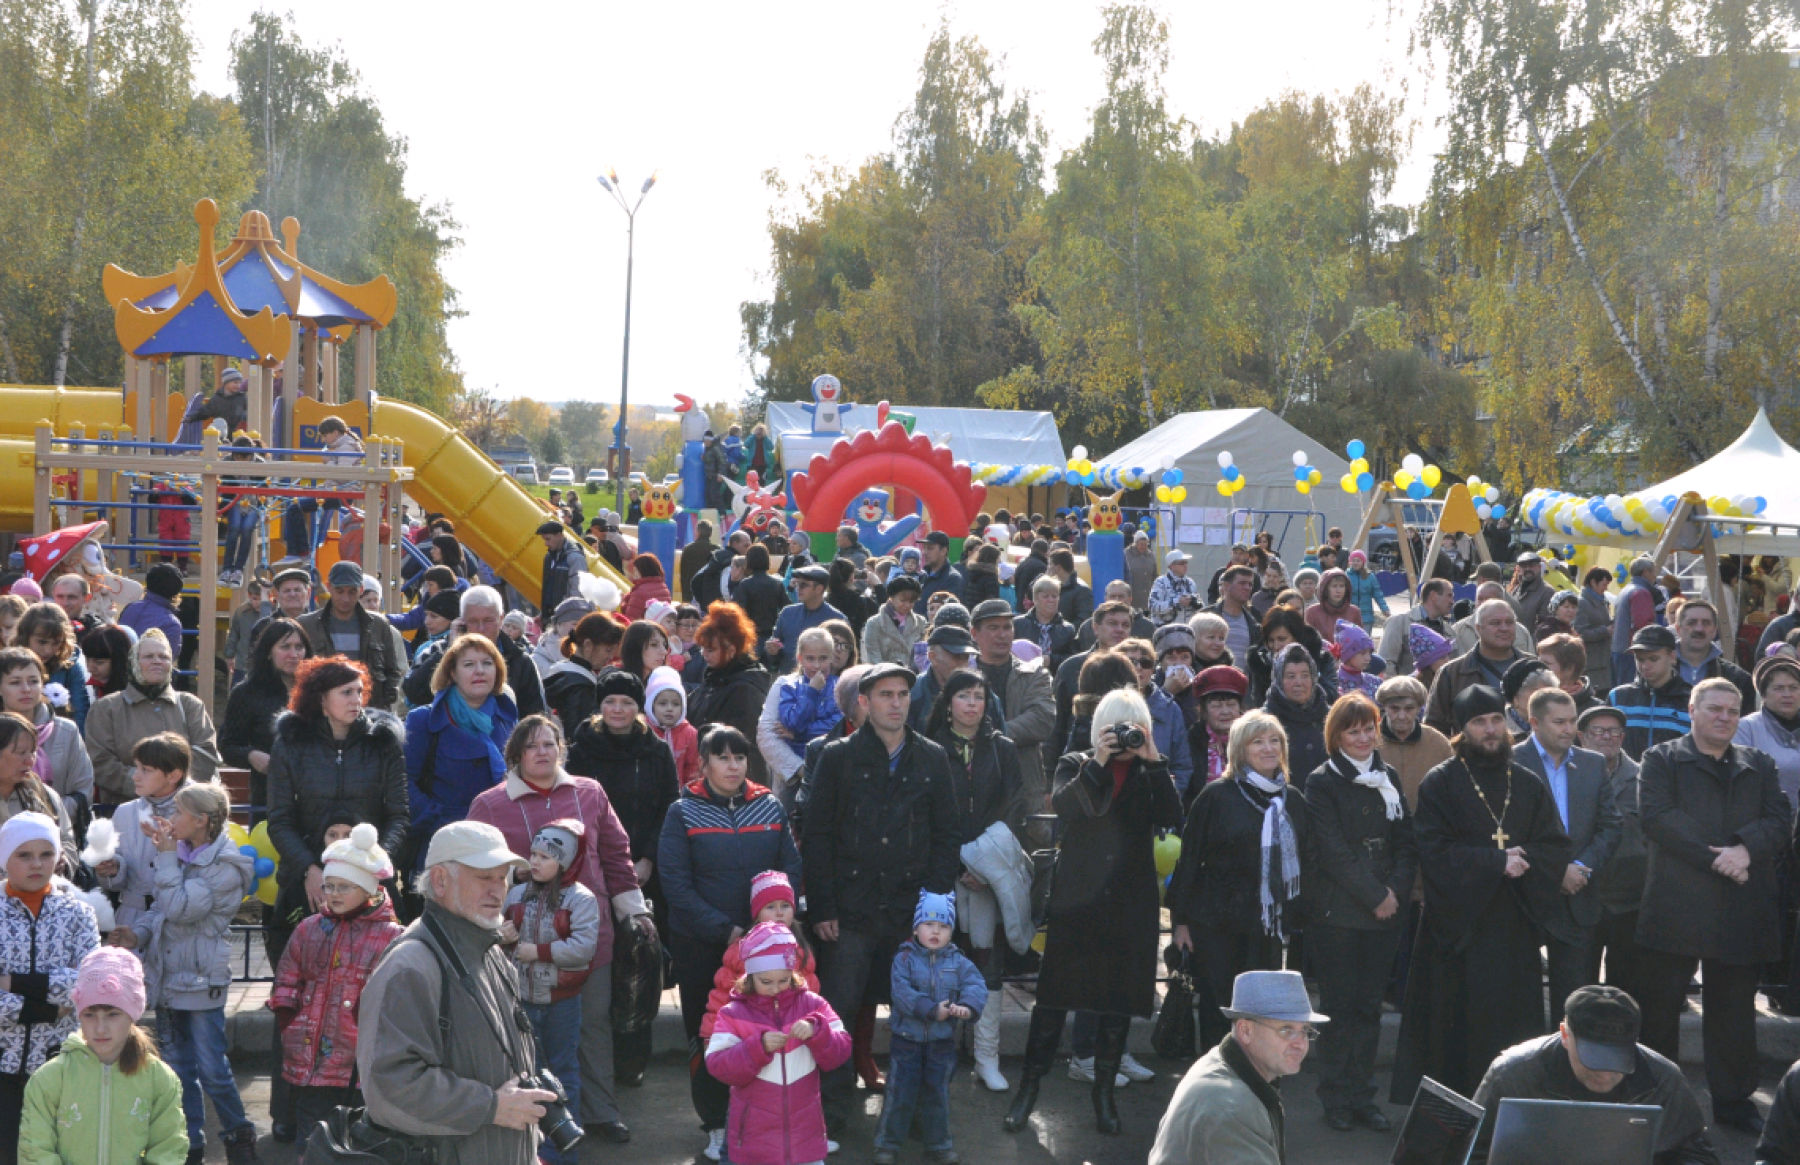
x=770 y=886
x=110 y=977
x=769 y=946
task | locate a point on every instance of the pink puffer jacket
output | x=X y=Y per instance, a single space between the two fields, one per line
x=777 y=1117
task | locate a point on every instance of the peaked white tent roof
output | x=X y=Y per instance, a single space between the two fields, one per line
x=1262 y=446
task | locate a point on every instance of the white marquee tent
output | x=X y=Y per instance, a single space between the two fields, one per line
x=1262 y=445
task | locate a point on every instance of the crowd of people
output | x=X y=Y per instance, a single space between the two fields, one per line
x=816 y=788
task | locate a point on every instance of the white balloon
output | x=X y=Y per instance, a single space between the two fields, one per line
x=1492 y=495
x=1484 y=511
x=1299 y=457
x=1081 y=452
x=1225 y=460
x=1412 y=463
x=1167 y=461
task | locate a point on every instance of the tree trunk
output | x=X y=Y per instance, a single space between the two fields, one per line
x=1137 y=295
x=1715 y=279
x=66 y=333
x=9 y=363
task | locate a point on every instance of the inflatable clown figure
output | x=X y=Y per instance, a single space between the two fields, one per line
x=828 y=407
x=752 y=506
x=76 y=550
x=868 y=513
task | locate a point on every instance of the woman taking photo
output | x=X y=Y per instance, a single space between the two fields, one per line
x=734 y=685
x=247 y=736
x=1234 y=896
x=716 y=839
x=985 y=776
x=1358 y=885
x=1104 y=914
x=455 y=744
x=569 y=686
x=536 y=792
x=62 y=758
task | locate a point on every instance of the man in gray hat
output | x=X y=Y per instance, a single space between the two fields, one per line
x=1227 y=1109
x=1594 y=1057
x=811 y=611
x=1493 y=853
x=447 y=973
x=344 y=627
x=1140 y=569
x=1174 y=595
x=948 y=650
x=1027 y=708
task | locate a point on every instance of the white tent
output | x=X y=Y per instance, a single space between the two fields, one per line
x=1758 y=463
x=1262 y=446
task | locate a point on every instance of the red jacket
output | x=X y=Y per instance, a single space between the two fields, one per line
x=318 y=987
x=644 y=592
x=518 y=812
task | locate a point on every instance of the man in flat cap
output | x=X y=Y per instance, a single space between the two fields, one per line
x=1492 y=851
x=811 y=611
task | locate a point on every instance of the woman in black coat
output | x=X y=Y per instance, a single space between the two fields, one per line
x=637 y=771
x=734 y=685
x=1229 y=907
x=1104 y=917
x=985 y=774
x=1297 y=699
x=247 y=736
x=569 y=691
x=1359 y=869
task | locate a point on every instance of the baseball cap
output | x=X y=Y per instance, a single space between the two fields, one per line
x=475 y=844
x=1655 y=637
x=813 y=574
x=938 y=538
x=1604 y=1022
x=953 y=639
x=1173 y=557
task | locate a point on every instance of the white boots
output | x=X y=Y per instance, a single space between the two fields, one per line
x=987 y=1043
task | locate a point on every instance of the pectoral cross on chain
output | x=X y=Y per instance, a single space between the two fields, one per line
x=1500 y=836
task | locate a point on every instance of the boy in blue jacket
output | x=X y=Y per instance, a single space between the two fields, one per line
x=934 y=985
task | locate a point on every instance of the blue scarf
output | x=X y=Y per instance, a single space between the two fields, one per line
x=480 y=720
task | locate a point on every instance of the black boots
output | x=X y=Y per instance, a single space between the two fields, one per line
x=1109 y=1049
x=1040 y=1052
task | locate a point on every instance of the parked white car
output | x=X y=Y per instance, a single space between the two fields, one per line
x=562 y=475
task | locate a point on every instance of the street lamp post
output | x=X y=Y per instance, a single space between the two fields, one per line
x=622 y=451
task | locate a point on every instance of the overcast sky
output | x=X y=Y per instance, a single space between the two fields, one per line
x=511 y=111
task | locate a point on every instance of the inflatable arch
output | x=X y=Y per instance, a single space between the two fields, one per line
x=888 y=457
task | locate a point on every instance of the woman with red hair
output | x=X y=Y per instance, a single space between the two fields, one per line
x=647 y=586
x=734 y=686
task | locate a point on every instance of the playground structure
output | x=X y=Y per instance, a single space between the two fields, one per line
x=833 y=482
x=1455 y=514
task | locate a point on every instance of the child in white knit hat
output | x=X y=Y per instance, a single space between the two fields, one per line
x=319 y=982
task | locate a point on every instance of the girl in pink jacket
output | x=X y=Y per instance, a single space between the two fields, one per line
x=770 y=1044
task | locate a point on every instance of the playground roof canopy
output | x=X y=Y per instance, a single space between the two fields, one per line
x=978 y=436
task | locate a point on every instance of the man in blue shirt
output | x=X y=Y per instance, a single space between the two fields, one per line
x=811 y=611
x=1584 y=800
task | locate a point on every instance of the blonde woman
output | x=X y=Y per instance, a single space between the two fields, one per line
x=1233 y=898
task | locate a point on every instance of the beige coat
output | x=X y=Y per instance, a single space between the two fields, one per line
x=117 y=722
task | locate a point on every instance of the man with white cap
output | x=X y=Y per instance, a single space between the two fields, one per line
x=447 y=973
x=1228 y=1107
x=1174 y=595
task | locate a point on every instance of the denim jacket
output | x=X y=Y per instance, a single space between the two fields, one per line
x=922 y=980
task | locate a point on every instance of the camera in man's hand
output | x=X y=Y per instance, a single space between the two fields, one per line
x=558 y=1127
x=1128 y=737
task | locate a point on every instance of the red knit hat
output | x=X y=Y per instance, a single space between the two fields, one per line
x=770 y=886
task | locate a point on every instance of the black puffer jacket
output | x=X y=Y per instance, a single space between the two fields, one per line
x=989 y=787
x=638 y=774
x=733 y=695
x=571 y=694
x=311 y=775
x=250 y=714
x=877 y=834
x=1217 y=882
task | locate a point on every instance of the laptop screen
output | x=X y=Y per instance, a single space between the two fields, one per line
x=1440 y=1127
x=1571 y=1132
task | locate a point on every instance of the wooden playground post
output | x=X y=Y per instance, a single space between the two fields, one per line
x=365 y=364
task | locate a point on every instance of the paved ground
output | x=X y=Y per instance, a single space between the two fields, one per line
x=665 y=1132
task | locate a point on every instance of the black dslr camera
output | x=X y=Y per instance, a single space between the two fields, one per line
x=1128 y=736
x=557 y=1125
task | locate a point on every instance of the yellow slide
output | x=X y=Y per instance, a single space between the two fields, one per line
x=22 y=406
x=494 y=515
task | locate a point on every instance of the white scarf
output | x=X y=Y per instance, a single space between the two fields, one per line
x=1280 y=851
x=1370 y=777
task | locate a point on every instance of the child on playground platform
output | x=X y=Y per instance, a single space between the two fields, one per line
x=319 y=982
x=106 y=1096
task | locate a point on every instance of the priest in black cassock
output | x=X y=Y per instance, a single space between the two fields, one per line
x=1492 y=852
